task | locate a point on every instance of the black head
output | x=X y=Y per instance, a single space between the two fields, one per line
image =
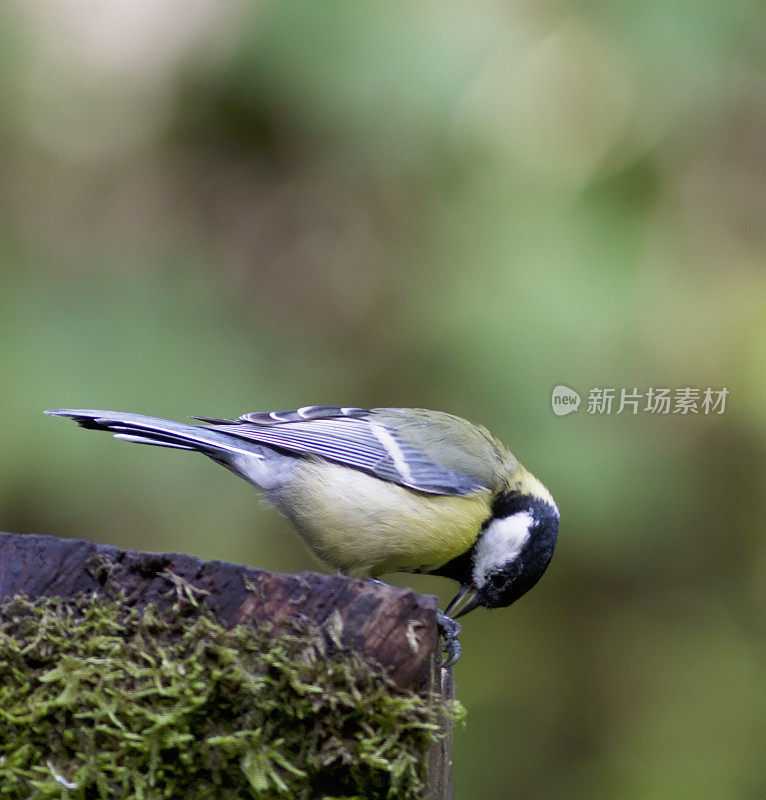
x=514 y=549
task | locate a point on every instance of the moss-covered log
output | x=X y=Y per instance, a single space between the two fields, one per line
x=144 y=676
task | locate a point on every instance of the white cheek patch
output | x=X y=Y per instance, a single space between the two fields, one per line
x=500 y=543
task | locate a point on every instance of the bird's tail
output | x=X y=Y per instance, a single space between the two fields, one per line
x=160 y=432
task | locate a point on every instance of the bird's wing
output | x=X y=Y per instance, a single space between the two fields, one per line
x=355 y=437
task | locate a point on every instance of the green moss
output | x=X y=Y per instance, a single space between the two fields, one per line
x=98 y=700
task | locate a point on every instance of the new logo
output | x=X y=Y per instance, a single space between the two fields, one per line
x=564 y=400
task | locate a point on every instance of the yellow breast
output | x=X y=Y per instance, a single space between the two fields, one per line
x=364 y=526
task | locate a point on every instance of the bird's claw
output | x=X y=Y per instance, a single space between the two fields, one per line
x=450 y=630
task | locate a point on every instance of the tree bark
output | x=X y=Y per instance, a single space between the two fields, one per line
x=394 y=627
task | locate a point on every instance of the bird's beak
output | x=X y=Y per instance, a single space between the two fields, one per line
x=464 y=601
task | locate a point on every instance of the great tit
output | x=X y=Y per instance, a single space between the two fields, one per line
x=381 y=490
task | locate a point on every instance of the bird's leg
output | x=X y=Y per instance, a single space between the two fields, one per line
x=450 y=630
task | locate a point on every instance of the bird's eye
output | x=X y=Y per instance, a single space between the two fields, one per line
x=498 y=579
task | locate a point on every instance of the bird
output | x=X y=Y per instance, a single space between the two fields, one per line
x=381 y=490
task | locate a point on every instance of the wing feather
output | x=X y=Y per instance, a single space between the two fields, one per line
x=352 y=436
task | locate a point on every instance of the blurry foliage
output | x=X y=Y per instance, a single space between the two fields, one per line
x=213 y=208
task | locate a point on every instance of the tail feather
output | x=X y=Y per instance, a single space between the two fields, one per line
x=127 y=437
x=160 y=432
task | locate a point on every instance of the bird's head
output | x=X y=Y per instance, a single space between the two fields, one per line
x=511 y=553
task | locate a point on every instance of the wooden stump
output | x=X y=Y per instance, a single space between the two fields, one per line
x=393 y=627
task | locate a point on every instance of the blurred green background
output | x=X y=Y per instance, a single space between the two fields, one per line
x=214 y=207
